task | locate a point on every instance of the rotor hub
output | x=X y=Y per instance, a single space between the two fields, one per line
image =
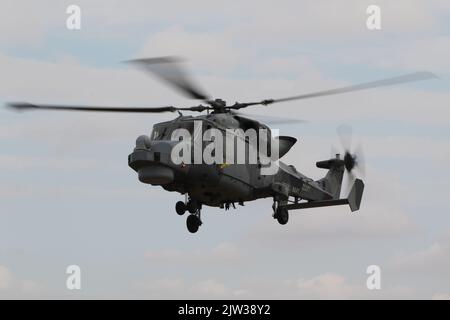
x=349 y=161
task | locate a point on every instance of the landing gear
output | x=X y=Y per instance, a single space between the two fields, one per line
x=190 y=205
x=282 y=215
x=280 y=212
x=193 y=222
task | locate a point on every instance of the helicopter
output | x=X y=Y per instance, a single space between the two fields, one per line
x=226 y=183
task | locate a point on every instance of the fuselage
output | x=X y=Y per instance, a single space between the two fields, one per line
x=221 y=182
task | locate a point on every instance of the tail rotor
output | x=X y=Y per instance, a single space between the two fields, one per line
x=354 y=160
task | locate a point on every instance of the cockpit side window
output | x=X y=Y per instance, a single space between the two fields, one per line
x=156 y=134
x=164 y=132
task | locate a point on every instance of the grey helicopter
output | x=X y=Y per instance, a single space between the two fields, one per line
x=226 y=183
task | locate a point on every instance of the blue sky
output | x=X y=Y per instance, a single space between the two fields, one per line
x=68 y=196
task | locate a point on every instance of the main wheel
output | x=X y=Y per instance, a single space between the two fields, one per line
x=191 y=207
x=192 y=223
x=282 y=216
x=180 y=208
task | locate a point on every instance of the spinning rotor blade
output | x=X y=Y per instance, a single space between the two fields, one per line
x=345 y=136
x=269 y=119
x=360 y=160
x=28 y=106
x=411 y=77
x=170 y=70
x=359 y=166
x=354 y=160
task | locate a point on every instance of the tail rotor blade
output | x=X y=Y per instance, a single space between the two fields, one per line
x=350 y=180
x=360 y=160
x=353 y=161
x=345 y=133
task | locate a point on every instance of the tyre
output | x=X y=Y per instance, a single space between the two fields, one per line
x=282 y=216
x=192 y=223
x=180 y=208
x=191 y=207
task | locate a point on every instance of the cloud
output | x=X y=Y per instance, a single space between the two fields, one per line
x=335 y=22
x=441 y=296
x=431 y=261
x=323 y=286
x=272 y=77
x=27 y=23
x=170 y=288
x=415 y=148
x=210 y=288
x=323 y=226
x=66 y=82
x=219 y=254
x=259 y=23
x=426 y=54
x=19 y=163
x=209 y=51
x=328 y=285
x=6 y=278
x=11 y=287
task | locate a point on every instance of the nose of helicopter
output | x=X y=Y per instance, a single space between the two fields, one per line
x=151 y=160
x=155 y=174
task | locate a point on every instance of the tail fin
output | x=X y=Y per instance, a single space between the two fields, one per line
x=355 y=195
x=333 y=179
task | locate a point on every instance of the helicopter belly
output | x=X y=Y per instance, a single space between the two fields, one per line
x=212 y=186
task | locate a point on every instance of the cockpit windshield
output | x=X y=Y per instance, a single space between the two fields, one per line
x=164 y=131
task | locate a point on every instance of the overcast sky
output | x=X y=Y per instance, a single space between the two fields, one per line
x=67 y=195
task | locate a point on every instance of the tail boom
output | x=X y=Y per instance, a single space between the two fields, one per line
x=353 y=200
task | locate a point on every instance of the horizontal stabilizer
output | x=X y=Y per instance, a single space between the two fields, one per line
x=353 y=200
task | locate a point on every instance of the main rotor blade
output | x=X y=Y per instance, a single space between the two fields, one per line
x=270 y=120
x=169 y=70
x=412 y=77
x=28 y=106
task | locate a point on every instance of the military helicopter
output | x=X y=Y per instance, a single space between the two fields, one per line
x=224 y=184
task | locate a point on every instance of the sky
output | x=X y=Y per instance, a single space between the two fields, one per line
x=68 y=197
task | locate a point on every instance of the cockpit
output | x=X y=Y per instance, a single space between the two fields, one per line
x=163 y=131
